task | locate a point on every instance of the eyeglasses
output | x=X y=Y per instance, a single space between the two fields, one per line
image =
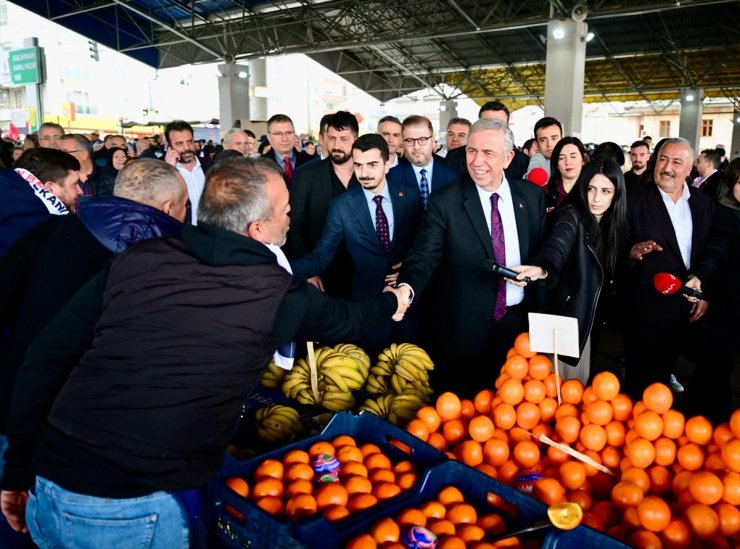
x=283 y=134
x=50 y=137
x=421 y=141
x=74 y=151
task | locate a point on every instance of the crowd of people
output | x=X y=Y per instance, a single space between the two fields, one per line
x=143 y=289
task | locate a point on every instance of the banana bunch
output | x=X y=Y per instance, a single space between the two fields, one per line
x=278 y=424
x=401 y=369
x=398 y=409
x=273 y=376
x=340 y=371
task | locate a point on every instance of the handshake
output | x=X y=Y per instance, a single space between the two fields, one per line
x=403 y=296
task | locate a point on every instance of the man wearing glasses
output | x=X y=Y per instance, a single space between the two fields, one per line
x=281 y=135
x=97 y=181
x=50 y=134
x=422 y=168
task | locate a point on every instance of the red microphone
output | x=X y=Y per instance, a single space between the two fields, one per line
x=668 y=284
x=538 y=176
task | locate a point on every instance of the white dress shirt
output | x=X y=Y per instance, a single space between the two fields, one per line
x=195 y=180
x=514 y=294
x=417 y=170
x=683 y=225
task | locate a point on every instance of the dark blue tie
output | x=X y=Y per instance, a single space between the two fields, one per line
x=424 y=188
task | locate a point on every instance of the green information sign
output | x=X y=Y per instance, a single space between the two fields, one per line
x=25 y=66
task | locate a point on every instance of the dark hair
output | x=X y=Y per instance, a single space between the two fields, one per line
x=607 y=234
x=458 y=120
x=555 y=174
x=721 y=151
x=546 y=122
x=263 y=146
x=713 y=156
x=494 y=106
x=250 y=133
x=52 y=125
x=416 y=120
x=82 y=142
x=611 y=149
x=278 y=118
x=324 y=123
x=343 y=120
x=732 y=175
x=647 y=175
x=389 y=118
x=109 y=156
x=178 y=126
x=48 y=164
x=640 y=143
x=647 y=137
x=372 y=141
x=528 y=143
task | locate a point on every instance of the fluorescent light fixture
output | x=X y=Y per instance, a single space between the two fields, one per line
x=243 y=74
x=690 y=97
x=590 y=36
x=558 y=33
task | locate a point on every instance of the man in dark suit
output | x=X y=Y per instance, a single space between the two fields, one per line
x=281 y=135
x=314 y=187
x=377 y=221
x=669 y=224
x=422 y=170
x=710 y=176
x=475 y=315
x=518 y=166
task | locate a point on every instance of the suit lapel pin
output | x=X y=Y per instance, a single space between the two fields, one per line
x=521 y=205
x=400 y=194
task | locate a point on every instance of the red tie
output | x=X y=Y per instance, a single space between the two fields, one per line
x=288 y=170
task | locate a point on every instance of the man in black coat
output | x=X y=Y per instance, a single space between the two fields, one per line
x=455 y=242
x=281 y=135
x=669 y=225
x=95 y=180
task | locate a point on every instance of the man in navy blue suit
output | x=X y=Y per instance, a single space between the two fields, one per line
x=377 y=222
x=422 y=169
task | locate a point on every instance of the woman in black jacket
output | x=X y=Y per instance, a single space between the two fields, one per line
x=580 y=252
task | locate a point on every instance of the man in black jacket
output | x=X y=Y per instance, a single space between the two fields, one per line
x=131 y=393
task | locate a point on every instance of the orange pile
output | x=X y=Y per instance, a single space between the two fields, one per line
x=286 y=488
x=456 y=524
x=675 y=481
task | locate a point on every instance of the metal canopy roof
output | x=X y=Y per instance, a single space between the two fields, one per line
x=643 y=49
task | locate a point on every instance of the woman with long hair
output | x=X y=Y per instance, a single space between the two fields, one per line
x=580 y=253
x=567 y=160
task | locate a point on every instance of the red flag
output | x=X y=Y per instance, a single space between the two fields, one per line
x=13 y=132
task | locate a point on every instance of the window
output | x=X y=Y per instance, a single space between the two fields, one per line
x=706 y=127
x=12 y=98
x=665 y=128
x=3 y=13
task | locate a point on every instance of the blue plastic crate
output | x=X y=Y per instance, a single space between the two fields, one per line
x=583 y=536
x=258 y=529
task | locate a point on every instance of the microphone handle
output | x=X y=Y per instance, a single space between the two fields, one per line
x=692 y=293
x=508 y=273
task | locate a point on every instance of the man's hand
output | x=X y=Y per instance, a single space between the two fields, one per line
x=172 y=157
x=695 y=284
x=642 y=248
x=14 y=508
x=527 y=271
x=392 y=279
x=698 y=310
x=403 y=295
x=316 y=281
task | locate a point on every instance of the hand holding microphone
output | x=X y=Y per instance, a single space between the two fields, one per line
x=513 y=274
x=668 y=284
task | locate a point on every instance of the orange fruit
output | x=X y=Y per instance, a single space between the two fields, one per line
x=321 y=447
x=454 y=430
x=644 y=539
x=377 y=461
x=521 y=345
x=534 y=391
x=352 y=468
x=343 y=440
x=539 y=367
x=572 y=475
x=331 y=493
x=335 y=512
x=731 y=488
x=599 y=412
x=640 y=452
x=660 y=479
x=572 y=391
x=526 y=454
x=430 y=417
x=729 y=519
x=731 y=454
x=362 y=541
x=238 y=485
x=461 y=513
x=449 y=495
x=358 y=485
x=605 y=385
x=300 y=486
x=517 y=367
x=448 y=406
x=637 y=476
x=270 y=468
x=492 y=523
x=699 y=430
x=386 y=490
x=673 y=424
x=407 y=480
x=548 y=408
x=676 y=535
x=467 y=409
x=271 y=505
x=470 y=453
x=349 y=452
x=610 y=457
x=549 y=491
x=299 y=506
x=483 y=400
x=706 y=487
x=649 y=425
x=359 y=502
x=568 y=428
x=385 y=530
x=593 y=437
x=615 y=434
x=381 y=475
x=438 y=441
x=622 y=405
x=267 y=486
x=495 y=452
x=418 y=428
x=527 y=415
x=368 y=449
x=433 y=509
x=441 y=527
x=658 y=398
x=566 y=410
x=735 y=423
x=296 y=456
x=722 y=433
x=702 y=520
x=665 y=451
x=298 y=471
x=470 y=533
x=551 y=384
x=626 y=494
x=404 y=466
x=504 y=416
x=451 y=542
x=481 y=428
x=511 y=391
x=411 y=517
x=690 y=456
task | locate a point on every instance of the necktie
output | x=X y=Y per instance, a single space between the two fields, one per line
x=424 y=188
x=499 y=255
x=287 y=170
x=381 y=224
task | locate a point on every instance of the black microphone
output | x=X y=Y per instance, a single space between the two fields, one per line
x=496 y=268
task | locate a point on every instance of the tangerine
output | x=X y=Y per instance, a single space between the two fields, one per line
x=551 y=382
x=368 y=449
x=296 y=456
x=731 y=488
x=385 y=530
x=526 y=454
x=599 y=412
x=416 y=427
x=735 y=423
x=449 y=495
x=331 y=493
x=730 y=453
x=729 y=519
x=640 y=452
x=377 y=461
x=706 y=487
x=673 y=424
x=690 y=456
x=665 y=451
x=411 y=517
x=270 y=468
x=268 y=486
x=504 y=416
x=516 y=367
x=298 y=471
x=335 y=512
x=441 y=527
x=511 y=391
x=461 y=513
x=622 y=405
x=495 y=452
x=699 y=430
x=448 y=406
x=433 y=509
x=349 y=452
x=300 y=486
x=321 y=447
x=568 y=428
x=470 y=453
x=438 y=441
x=615 y=434
x=381 y=475
x=626 y=494
x=352 y=468
x=386 y=490
x=483 y=401
x=407 y=480
x=470 y=533
x=358 y=485
x=649 y=425
x=534 y=391
x=702 y=520
x=238 y=485
x=299 y=506
x=362 y=541
x=360 y=502
x=454 y=430
x=549 y=491
x=271 y=505
x=637 y=476
x=593 y=437
x=571 y=391
x=658 y=398
x=522 y=346
x=605 y=385
x=676 y=535
x=572 y=475
x=481 y=428
x=539 y=367
x=527 y=415
x=548 y=408
x=343 y=440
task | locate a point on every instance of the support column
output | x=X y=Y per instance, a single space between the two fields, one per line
x=258 y=90
x=564 y=72
x=689 y=125
x=447 y=111
x=734 y=151
x=233 y=95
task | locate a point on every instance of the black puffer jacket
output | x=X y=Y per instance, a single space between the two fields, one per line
x=575 y=274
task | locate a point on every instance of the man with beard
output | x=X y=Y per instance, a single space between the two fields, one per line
x=424 y=171
x=181 y=155
x=669 y=224
x=312 y=190
x=377 y=221
x=639 y=156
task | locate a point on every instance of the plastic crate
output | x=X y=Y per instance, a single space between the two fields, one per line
x=258 y=529
x=583 y=536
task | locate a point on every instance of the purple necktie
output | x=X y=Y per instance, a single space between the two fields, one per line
x=499 y=255
x=381 y=224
